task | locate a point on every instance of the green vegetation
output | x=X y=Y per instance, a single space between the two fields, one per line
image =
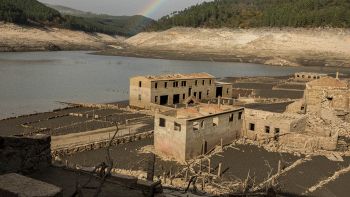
x=260 y=13
x=34 y=12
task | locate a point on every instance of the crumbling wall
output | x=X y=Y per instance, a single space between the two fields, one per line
x=308 y=142
x=24 y=154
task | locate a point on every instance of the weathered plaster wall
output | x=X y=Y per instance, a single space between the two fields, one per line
x=212 y=135
x=135 y=91
x=308 y=142
x=24 y=154
x=334 y=98
x=167 y=141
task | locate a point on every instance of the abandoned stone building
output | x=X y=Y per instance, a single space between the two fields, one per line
x=171 y=89
x=188 y=132
x=328 y=91
x=306 y=76
x=293 y=131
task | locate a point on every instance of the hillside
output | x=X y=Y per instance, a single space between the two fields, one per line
x=24 y=38
x=275 y=46
x=260 y=13
x=32 y=12
x=126 y=25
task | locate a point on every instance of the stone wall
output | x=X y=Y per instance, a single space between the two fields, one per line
x=308 y=142
x=24 y=154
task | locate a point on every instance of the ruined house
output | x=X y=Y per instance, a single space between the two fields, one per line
x=306 y=76
x=288 y=130
x=329 y=91
x=189 y=132
x=171 y=89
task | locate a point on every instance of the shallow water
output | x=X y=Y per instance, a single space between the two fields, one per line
x=34 y=81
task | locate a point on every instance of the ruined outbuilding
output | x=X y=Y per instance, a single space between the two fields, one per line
x=307 y=76
x=329 y=91
x=189 y=132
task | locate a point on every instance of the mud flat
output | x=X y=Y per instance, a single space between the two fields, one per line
x=272 y=46
x=24 y=38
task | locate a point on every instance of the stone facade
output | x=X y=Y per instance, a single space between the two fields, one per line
x=259 y=125
x=175 y=89
x=24 y=154
x=328 y=91
x=184 y=134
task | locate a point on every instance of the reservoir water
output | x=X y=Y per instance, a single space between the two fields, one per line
x=34 y=81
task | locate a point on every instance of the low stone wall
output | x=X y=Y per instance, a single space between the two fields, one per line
x=24 y=154
x=308 y=143
x=100 y=144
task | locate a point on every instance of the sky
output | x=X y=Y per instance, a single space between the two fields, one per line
x=150 y=8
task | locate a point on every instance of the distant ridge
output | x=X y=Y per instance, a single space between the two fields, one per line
x=33 y=12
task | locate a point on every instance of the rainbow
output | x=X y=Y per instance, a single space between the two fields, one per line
x=151 y=7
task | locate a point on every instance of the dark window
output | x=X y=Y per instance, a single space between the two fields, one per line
x=161 y=122
x=183 y=83
x=156 y=85
x=140 y=84
x=165 y=84
x=277 y=130
x=203 y=82
x=227 y=90
x=177 y=126
x=195 y=94
x=207 y=92
x=156 y=99
x=210 y=82
x=267 y=129
x=251 y=126
x=176 y=84
x=184 y=96
x=298 y=76
x=240 y=115
x=230 y=119
x=196 y=82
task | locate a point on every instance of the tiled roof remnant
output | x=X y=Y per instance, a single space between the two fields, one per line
x=179 y=76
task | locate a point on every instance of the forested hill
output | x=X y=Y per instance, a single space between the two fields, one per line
x=260 y=13
x=33 y=12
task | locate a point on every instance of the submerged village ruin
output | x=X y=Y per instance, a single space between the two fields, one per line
x=187 y=133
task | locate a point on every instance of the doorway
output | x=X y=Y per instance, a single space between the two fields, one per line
x=176 y=99
x=218 y=91
x=164 y=100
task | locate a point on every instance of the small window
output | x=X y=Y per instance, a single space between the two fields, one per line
x=240 y=115
x=156 y=85
x=251 y=126
x=156 y=99
x=165 y=84
x=227 y=90
x=230 y=118
x=309 y=77
x=139 y=97
x=140 y=84
x=298 y=76
x=203 y=82
x=195 y=82
x=176 y=84
x=202 y=124
x=315 y=77
x=277 y=130
x=177 y=126
x=161 y=122
x=267 y=129
x=184 y=96
x=210 y=82
x=215 y=121
x=208 y=92
x=195 y=94
x=303 y=76
x=183 y=83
